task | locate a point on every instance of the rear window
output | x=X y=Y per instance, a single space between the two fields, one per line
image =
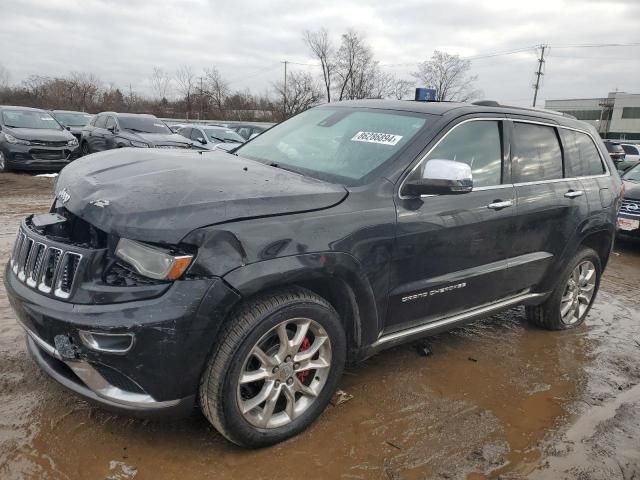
x=581 y=155
x=630 y=149
x=340 y=145
x=536 y=154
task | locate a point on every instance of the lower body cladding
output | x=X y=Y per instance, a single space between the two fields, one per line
x=143 y=357
x=36 y=158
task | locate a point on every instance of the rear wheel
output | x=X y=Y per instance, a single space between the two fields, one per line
x=568 y=305
x=275 y=369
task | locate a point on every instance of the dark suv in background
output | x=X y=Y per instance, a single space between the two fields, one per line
x=72 y=121
x=31 y=139
x=109 y=130
x=244 y=284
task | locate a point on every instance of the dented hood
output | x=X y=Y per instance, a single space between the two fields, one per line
x=160 y=196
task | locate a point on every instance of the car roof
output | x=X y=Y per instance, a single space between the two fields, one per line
x=26 y=109
x=460 y=108
x=70 y=111
x=128 y=114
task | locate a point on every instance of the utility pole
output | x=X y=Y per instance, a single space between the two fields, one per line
x=284 y=113
x=539 y=74
x=201 y=100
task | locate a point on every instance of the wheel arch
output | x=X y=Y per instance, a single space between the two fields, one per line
x=602 y=242
x=334 y=276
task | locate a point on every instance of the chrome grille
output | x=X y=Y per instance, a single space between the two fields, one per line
x=50 y=269
x=630 y=207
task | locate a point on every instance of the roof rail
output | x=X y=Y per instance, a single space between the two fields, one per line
x=493 y=103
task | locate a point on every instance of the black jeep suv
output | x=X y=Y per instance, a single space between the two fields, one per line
x=108 y=130
x=244 y=284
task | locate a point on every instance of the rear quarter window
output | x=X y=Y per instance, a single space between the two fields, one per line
x=535 y=153
x=581 y=154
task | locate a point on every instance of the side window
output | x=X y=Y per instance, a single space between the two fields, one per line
x=535 y=153
x=185 y=131
x=477 y=144
x=630 y=149
x=196 y=134
x=110 y=122
x=581 y=155
x=101 y=121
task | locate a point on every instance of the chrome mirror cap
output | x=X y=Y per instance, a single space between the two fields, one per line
x=441 y=177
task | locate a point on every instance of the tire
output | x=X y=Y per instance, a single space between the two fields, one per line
x=4 y=164
x=571 y=292
x=259 y=323
x=84 y=149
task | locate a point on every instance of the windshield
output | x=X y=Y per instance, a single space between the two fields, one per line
x=29 y=119
x=633 y=175
x=218 y=135
x=340 y=145
x=614 y=148
x=143 y=125
x=72 y=119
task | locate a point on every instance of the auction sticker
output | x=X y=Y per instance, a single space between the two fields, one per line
x=375 y=137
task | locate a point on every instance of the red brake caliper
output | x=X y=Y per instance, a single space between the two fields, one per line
x=304 y=374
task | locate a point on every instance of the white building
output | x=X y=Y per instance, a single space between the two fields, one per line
x=617 y=116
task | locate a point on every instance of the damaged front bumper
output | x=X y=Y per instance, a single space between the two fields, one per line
x=171 y=337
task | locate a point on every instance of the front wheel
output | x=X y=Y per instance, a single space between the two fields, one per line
x=275 y=368
x=4 y=164
x=84 y=149
x=569 y=303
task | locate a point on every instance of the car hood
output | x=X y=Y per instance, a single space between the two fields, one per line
x=161 y=196
x=160 y=138
x=631 y=190
x=45 y=134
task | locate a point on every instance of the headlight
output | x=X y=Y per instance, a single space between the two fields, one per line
x=152 y=262
x=135 y=143
x=73 y=142
x=18 y=141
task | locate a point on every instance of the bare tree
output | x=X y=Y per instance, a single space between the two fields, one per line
x=185 y=78
x=303 y=92
x=356 y=68
x=4 y=77
x=217 y=89
x=320 y=45
x=402 y=89
x=449 y=75
x=86 y=86
x=160 y=80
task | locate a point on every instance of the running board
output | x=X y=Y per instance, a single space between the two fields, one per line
x=461 y=317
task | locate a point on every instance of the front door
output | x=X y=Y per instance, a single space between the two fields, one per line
x=452 y=251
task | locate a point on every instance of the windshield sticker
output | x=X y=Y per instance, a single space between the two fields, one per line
x=48 y=119
x=374 y=137
x=158 y=125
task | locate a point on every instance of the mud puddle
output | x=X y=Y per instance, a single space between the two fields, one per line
x=497 y=399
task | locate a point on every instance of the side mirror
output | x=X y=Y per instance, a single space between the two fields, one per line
x=68 y=128
x=112 y=129
x=201 y=140
x=441 y=177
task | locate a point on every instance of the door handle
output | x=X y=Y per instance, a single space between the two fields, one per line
x=498 y=205
x=574 y=193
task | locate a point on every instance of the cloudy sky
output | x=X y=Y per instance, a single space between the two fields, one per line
x=120 y=41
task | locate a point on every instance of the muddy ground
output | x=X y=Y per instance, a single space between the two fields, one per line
x=497 y=399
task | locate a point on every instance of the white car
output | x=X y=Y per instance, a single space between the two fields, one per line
x=632 y=157
x=207 y=137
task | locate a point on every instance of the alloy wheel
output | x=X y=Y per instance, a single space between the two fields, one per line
x=578 y=292
x=2 y=162
x=284 y=373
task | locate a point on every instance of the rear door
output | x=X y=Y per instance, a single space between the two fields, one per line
x=550 y=204
x=451 y=252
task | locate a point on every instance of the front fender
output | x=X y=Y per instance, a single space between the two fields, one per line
x=334 y=270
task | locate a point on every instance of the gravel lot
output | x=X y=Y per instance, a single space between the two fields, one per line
x=497 y=399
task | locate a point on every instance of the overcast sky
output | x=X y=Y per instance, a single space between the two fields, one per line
x=121 y=40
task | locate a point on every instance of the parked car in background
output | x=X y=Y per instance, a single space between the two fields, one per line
x=72 y=121
x=632 y=155
x=244 y=284
x=175 y=128
x=31 y=139
x=616 y=152
x=248 y=131
x=629 y=214
x=110 y=130
x=211 y=138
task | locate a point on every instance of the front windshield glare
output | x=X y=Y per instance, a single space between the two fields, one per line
x=73 y=119
x=29 y=119
x=633 y=175
x=143 y=125
x=341 y=145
